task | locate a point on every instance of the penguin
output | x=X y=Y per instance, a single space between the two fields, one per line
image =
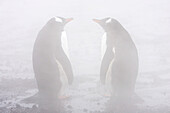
x=50 y=62
x=107 y=57
x=120 y=60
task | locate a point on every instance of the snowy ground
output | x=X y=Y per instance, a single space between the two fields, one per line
x=147 y=21
x=85 y=96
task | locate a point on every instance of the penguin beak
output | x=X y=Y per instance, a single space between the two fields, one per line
x=96 y=20
x=68 y=20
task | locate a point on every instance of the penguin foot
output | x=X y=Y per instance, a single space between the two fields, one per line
x=63 y=97
x=107 y=95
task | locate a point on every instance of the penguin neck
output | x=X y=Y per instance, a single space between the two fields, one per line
x=51 y=37
x=111 y=39
x=53 y=33
x=115 y=31
x=51 y=30
x=118 y=35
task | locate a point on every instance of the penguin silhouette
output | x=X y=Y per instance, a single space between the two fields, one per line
x=120 y=60
x=50 y=62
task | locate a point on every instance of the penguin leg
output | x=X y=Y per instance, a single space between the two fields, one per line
x=109 y=55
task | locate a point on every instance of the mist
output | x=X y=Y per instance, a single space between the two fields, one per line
x=147 y=21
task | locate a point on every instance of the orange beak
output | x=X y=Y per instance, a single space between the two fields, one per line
x=68 y=20
x=96 y=20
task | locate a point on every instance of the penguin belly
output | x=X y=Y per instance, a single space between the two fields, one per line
x=64 y=42
x=63 y=77
x=103 y=45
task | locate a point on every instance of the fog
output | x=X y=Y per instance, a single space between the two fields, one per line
x=147 y=21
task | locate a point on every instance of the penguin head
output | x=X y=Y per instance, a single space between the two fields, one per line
x=58 y=22
x=108 y=24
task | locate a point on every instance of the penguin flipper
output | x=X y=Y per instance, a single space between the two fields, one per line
x=64 y=81
x=108 y=80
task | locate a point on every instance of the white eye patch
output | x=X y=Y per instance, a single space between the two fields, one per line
x=58 y=19
x=109 y=20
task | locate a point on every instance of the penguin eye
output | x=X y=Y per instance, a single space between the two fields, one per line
x=58 y=19
x=109 y=20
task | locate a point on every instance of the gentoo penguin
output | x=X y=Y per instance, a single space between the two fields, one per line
x=121 y=58
x=50 y=62
x=107 y=57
